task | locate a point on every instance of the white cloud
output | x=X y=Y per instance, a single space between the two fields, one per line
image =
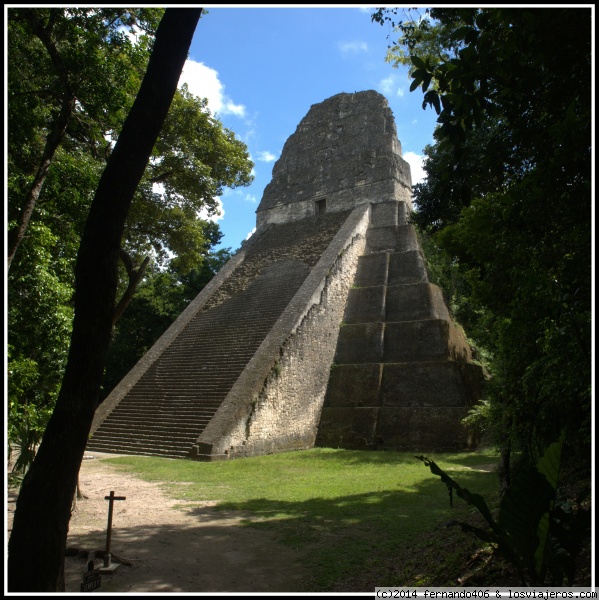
x=416 y=162
x=203 y=81
x=239 y=195
x=219 y=216
x=390 y=85
x=250 y=234
x=266 y=156
x=386 y=85
x=352 y=47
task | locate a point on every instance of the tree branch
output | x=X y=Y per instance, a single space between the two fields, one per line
x=134 y=278
x=163 y=177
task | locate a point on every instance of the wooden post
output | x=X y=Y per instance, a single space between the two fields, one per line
x=111 y=500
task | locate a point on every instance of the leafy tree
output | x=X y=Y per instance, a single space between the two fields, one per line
x=508 y=197
x=193 y=159
x=71 y=74
x=43 y=507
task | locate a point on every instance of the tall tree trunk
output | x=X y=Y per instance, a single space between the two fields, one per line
x=57 y=131
x=38 y=541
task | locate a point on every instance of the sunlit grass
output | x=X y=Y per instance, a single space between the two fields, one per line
x=339 y=505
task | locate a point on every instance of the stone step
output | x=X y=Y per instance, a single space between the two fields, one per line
x=414 y=429
x=181 y=436
x=148 y=438
x=192 y=399
x=213 y=358
x=191 y=394
x=401 y=238
x=408 y=341
x=163 y=417
x=185 y=390
x=137 y=450
x=178 y=383
x=391 y=268
x=160 y=416
x=408 y=384
x=161 y=405
x=393 y=304
x=156 y=435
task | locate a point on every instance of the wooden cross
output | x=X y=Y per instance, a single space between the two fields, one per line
x=111 y=499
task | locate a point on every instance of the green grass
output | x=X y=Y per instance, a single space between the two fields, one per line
x=343 y=507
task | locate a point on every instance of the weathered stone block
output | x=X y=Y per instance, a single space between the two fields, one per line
x=384 y=214
x=372 y=270
x=365 y=305
x=347 y=427
x=407 y=267
x=431 y=384
x=422 y=428
x=354 y=385
x=433 y=339
x=413 y=302
x=406 y=239
x=360 y=343
x=403 y=213
x=381 y=239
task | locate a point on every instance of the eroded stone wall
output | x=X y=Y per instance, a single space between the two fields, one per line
x=285 y=414
x=276 y=405
x=344 y=153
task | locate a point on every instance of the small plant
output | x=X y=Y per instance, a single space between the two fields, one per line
x=479 y=416
x=277 y=369
x=533 y=533
x=23 y=442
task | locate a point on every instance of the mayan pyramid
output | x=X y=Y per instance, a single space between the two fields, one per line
x=323 y=329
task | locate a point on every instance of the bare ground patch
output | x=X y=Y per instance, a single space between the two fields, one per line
x=172 y=547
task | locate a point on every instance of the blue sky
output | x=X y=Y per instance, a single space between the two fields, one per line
x=262 y=69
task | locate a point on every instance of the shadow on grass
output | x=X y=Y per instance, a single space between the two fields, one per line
x=333 y=537
x=336 y=531
x=341 y=535
x=390 y=457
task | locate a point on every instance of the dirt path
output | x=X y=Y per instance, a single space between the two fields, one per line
x=195 y=549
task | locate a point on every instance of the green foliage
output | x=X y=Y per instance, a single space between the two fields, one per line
x=528 y=531
x=194 y=158
x=39 y=309
x=91 y=55
x=420 y=34
x=26 y=425
x=507 y=198
x=445 y=272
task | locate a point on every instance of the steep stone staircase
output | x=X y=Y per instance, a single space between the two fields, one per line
x=170 y=405
x=402 y=375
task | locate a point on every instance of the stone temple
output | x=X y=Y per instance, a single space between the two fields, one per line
x=323 y=329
